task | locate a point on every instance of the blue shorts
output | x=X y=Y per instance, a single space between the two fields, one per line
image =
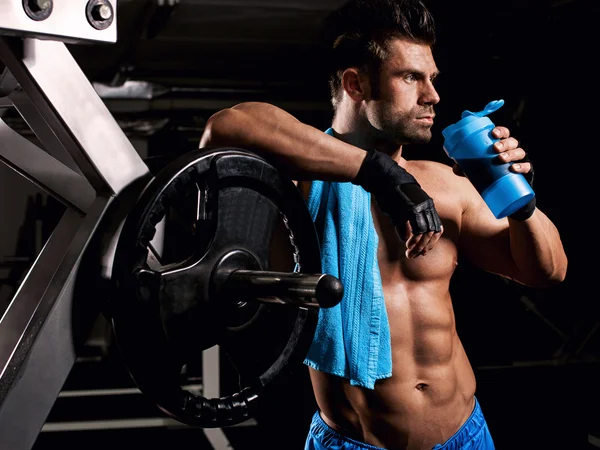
x=472 y=435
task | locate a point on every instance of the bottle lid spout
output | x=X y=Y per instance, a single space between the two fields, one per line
x=492 y=106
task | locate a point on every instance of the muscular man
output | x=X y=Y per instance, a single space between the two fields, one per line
x=383 y=95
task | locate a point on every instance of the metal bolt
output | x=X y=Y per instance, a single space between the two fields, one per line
x=40 y=5
x=101 y=12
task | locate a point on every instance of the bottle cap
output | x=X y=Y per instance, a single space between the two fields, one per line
x=470 y=122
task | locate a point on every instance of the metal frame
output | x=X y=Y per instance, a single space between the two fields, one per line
x=87 y=162
x=37 y=331
x=67 y=22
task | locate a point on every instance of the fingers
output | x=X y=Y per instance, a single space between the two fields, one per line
x=500 y=132
x=509 y=146
x=509 y=150
x=421 y=244
x=522 y=167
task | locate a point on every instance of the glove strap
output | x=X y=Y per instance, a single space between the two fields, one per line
x=525 y=212
x=374 y=173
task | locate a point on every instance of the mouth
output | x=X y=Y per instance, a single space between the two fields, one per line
x=428 y=119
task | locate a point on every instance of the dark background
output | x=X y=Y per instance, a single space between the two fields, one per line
x=535 y=352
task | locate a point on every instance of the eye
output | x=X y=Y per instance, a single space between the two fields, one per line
x=410 y=78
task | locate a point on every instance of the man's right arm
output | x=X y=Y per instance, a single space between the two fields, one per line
x=306 y=153
x=302 y=151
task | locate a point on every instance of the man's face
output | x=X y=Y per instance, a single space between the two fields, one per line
x=401 y=105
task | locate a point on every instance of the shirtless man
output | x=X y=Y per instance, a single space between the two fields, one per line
x=384 y=97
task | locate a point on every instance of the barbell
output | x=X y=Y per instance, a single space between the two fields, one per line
x=244 y=274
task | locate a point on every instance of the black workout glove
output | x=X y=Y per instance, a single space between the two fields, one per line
x=397 y=193
x=525 y=212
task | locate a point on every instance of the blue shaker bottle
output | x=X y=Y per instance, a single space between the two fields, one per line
x=469 y=143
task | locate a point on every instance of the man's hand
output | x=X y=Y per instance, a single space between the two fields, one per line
x=417 y=244
x=509 y=150
x=400 y=196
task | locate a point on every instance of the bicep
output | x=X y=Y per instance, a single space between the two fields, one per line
x=483 y=239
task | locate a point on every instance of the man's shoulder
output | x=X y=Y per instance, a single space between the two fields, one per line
x=429 y=167
x=437 y=176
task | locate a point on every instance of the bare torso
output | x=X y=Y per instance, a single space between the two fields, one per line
x=431 y=391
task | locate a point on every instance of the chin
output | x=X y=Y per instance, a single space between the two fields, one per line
x=422 y=138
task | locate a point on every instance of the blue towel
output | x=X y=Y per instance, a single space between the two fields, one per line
x=352 y=339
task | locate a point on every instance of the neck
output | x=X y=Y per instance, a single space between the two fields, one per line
x=360 y=133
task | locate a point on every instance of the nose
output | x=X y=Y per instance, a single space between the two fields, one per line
x=430 y=95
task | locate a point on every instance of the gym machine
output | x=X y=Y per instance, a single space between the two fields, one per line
x=247 y=278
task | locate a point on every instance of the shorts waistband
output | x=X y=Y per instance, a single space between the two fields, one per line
x=327 y=435
x=474 y=425
x=473 y=430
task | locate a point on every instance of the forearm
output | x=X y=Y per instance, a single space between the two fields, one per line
x=537 y=250
x=304 y=152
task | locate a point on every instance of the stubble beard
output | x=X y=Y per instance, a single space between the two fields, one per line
x=404 y=130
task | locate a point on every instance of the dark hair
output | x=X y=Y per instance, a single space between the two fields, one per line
x=358 y=34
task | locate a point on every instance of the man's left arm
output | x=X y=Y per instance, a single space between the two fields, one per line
x=537 y=250
x=526 y=246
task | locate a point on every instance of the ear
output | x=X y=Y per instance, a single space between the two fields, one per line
x=355 y=84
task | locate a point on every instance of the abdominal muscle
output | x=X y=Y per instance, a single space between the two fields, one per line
x=429 y=395
x=431 y=391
